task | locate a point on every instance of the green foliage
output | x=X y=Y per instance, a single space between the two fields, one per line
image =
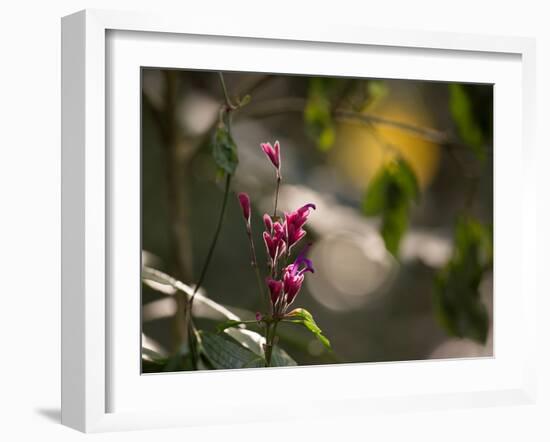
x=223 y=352
x=327 y=95
x=376 y=90
x=465 y=119
x=318 y=112
x=280 y=358
x=233 y=323
x=303 y=317
x=224 y=149
x=390 y=195
x=457 y=296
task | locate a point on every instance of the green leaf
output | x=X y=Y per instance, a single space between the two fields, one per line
x=245 y=100
x=280 y=358
x=303 y=317
x=228 y=324
x=390 y=194
x=457 y=296
x=223 y=352
x=254 y=342
x=318 y=113
x=466 y=123
x=224 y=149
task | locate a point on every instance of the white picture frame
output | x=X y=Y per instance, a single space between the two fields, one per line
x=90 y=172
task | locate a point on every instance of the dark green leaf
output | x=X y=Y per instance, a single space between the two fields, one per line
x=254 y=342
x=223 y=352
x=390 y=194
x=374 y=202
x=394 y=225
x=224 y=149
x=280 y=358
x=318 y=113
x=303 y=317
x=457 y=296
x=464 y=117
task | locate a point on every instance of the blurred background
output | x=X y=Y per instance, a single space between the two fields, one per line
x=337 y=135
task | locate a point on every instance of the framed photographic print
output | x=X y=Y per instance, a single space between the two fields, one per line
x=321 y=213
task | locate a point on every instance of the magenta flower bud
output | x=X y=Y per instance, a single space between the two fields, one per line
x=294 y=222
x=258 y=316
x=268 y=223
x=275 y=241
x=244 y=201
x=275 y=289
x=273 y=153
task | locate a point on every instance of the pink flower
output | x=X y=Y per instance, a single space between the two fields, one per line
x=273 y=153
x=244 y=201
x=293 y=276
x=275 y=289
x=258 y=316
x=268 y=223
x=275 y=240
x=294 y=222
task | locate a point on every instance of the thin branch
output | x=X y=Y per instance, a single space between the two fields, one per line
x=225 y=94
x=428 y=134
x=290 y=104
x=214 y=240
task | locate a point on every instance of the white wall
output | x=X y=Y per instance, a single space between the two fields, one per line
x=30 y=215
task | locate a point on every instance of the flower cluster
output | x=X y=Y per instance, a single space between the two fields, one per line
x=280 y=236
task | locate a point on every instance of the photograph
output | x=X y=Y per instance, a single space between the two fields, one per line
x=294 y=220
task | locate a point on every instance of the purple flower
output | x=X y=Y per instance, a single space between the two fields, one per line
x=275 y=289
x=293 y=276
x=273 y=153
x=244 y=201
x=258 y=316
x=275 y=241
x=294 y=222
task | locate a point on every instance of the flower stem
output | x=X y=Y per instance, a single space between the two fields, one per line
x=269 y=339
x=256 y=267
x=277 y=194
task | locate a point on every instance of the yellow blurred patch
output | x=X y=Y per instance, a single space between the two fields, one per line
x=360 y=150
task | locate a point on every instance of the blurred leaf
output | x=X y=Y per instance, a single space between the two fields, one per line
x=224 y=149
x=227 y=324
x=223 y=352
x=465 y=119
x=245 y=100
x=318 y=112
x=280 y=358
x=457 y=296
x=390 y=194
x=376 y=90
x=303 y=317
x=167 y=285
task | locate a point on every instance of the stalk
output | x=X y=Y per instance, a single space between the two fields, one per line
x=254 y=262
x=277 y=194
